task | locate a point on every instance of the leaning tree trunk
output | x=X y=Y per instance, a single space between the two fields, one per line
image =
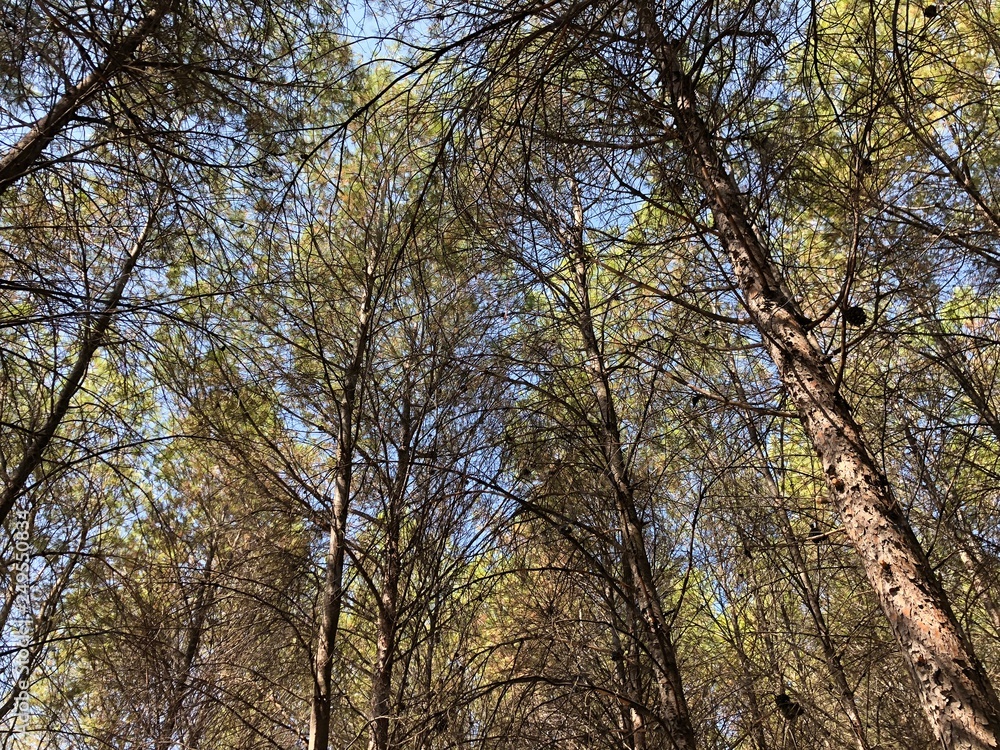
x=955 y=693
x=674 y=706
x=91 y=340
x=20 y=158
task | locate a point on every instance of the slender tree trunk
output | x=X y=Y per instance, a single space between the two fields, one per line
x=982 y=577
x=640 y=731
x=91 y=341
x=22 y=155
x=385 y=654
x=955 y=693
x=633 y=726
x=333 y=583
x=951 y=358
x=382 y=674
x=332 y=597
x=749 y=688
x=203 y=603
x=636 y=731
x=810 y=597
x=423 y=738
x=673 y=703
x=46 y=622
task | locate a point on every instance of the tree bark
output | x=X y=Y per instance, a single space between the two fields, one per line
x=633 y=732
x=954 y=691
x=388 y=617
x=22 y=155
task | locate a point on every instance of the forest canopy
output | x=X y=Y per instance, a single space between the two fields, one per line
x=578 y=374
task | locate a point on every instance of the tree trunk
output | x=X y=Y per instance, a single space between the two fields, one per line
x=810 y=597
x=955 y=693
x=951 y=358
x=45 y=623
x=91 y=341
x=634 y=728
x=749 y=688
x=333 y=583
x=23 y=154
x=333 y=589
x=389 y=596
x=673 y=703
x=196 y=632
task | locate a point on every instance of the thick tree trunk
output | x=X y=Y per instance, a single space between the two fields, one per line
x=955 y=693
x=674 y=707
x=22 y=155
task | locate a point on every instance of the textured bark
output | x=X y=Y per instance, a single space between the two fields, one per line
x=673 y=707
x=22 y=155
x=955 y=693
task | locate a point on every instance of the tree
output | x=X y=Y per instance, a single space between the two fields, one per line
x=670 y=61
x=594 y=374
